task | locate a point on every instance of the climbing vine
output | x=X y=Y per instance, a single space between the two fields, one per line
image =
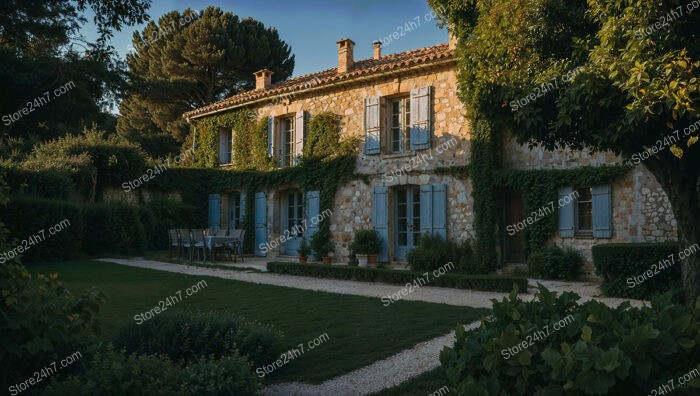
x=483 y=165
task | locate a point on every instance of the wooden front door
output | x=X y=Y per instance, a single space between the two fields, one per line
x=514 y=213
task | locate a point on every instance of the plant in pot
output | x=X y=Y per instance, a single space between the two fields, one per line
x=303 y=251
x=366 y=245
x=322 y=247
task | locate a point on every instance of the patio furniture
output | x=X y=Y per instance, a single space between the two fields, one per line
x=183 y=235
x=214 y=242
x=235 y=244
x=197 y=243
x=174 y=242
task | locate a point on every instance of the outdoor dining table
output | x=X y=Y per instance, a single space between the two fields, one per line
x=211 y=240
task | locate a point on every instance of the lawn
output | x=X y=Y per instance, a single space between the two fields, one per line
x=360 y=329
x=431 y=382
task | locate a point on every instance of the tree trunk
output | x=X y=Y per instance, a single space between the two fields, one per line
x=679 y=179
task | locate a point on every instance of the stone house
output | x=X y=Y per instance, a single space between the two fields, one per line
x=405 y=110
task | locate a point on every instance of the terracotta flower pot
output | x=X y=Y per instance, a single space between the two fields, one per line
x=327 y=260
x=372 y=259
x=303 y=259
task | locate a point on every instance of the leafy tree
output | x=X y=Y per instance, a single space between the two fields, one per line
x=623 y=84
x=188 y=60
x=41 y=50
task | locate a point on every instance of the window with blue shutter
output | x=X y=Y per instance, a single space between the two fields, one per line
x=433 y=209
x=271 y=136
x=214 y=211
x=372 y=126
x=602 y=211
x=260 y=223
x=421 y=118
x=380 y=218
x=313 y=204
x=566 y=213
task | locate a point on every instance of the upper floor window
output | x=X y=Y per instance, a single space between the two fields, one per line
x=225 y=144
x=399 y=125
x=285 y=138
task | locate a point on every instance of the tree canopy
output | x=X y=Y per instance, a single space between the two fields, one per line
x=188 y=60
x=617 y=75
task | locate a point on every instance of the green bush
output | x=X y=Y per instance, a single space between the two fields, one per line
x=618 y=262
x=50 y=184
x=118 y=373
x=555 y=263
x=168 y=214
x=366 y=242
x=601 y=351
x=26 y=217
x=41 y=322
x=113 y=227
x=433 y=252
x=186 y=336
x=449 y=279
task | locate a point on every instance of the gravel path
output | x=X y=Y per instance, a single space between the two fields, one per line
x=396 y=369
x=459 y=297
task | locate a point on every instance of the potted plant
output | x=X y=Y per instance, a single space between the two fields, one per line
x=322 y=247
x=303 y=251
x=366 y=245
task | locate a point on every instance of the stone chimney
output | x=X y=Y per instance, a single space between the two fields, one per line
x=377 y=49
x=345 y=55
x=263 y=79
x=452 y=44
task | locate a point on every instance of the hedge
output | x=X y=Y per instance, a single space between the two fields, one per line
x=187 y=336
x=25 y=217
x=49 y=184
x=458 y=281
x=619 y=262
x=113 y=227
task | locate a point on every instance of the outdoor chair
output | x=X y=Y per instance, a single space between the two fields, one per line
x=230 y=247
x=197 y=243
x=183 y=234
x=174 y=243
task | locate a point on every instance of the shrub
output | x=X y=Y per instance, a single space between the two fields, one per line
x=186 y=336
x=169 y=214
x=617 y=262
x=27 y=216
x=118 y=373
x=321 y=246
x=113 y=227
x=366 y=242
x=555 y=263
x=601 y=351
x=41 y=322
x=450 y=279
x=433 y=252
x=50 y=184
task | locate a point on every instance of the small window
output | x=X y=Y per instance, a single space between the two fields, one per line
x=584 y=211
x=399 y=125
x=225 y=144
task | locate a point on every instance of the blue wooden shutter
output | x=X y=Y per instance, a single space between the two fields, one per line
x=439 y=206
x=299 y=127
x=602 y=211
x=372 y=126
x=214 y=211
x=566 y=214
x=260 y=222
x=243 y=203
x=313 y=204
x=426 y=209
x=271 y=137
x=420 y=118
x=380 y=218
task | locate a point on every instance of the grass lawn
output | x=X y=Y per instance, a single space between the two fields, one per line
x=427 y=383
x=360 y=329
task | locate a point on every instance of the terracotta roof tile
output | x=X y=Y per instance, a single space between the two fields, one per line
x=391 y=62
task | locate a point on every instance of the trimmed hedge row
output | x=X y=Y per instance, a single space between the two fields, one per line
x=618 y=262
x=102 y=228
x=185 y=336
x=457 y=281
x=45 y=184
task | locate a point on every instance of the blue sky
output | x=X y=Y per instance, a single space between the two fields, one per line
x=312 y=27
